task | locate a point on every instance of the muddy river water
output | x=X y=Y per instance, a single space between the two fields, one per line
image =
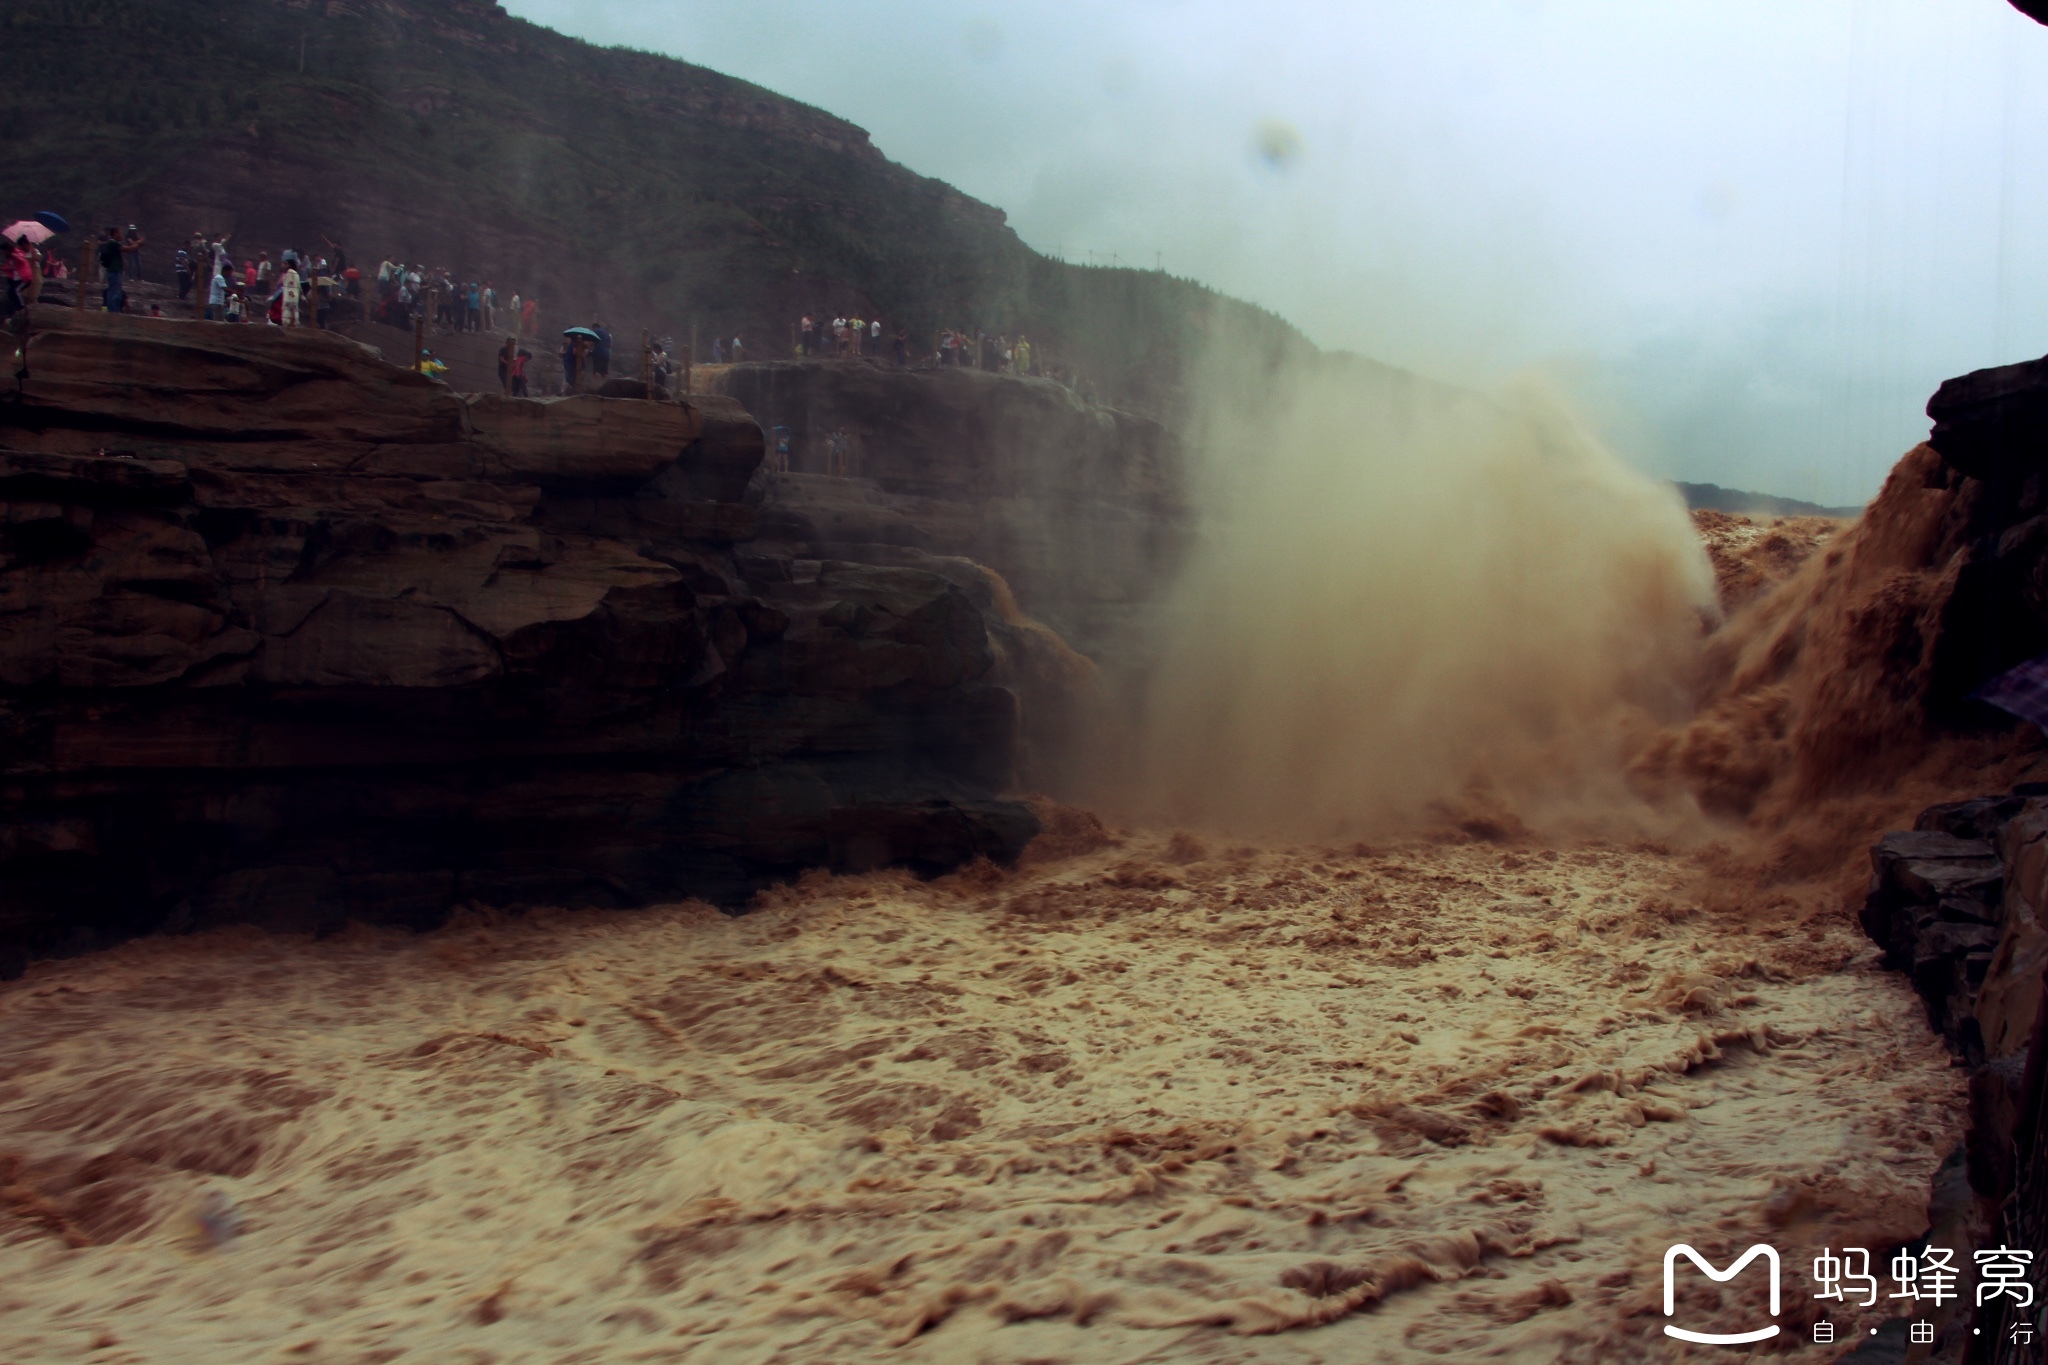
x=1150 y=1101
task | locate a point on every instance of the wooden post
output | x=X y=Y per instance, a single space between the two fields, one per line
x=646 y=363
x=689 y=359
x=419 y=338
x=201 y=290
x=84 y=274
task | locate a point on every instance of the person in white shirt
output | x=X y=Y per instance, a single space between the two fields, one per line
x=288 y=287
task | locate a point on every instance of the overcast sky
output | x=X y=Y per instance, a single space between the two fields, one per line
x=1750 y=235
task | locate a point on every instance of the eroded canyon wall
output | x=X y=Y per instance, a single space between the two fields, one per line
x=288 y=635
x=1079 y=507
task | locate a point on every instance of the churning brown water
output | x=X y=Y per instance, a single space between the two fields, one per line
x=1155 y=1097
x=1147 y=1101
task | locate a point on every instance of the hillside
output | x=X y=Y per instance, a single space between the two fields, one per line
x=607 y=183
x=1712 y=497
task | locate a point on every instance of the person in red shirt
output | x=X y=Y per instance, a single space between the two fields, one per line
x=20 y=270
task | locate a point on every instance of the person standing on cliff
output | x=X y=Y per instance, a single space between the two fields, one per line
x=734 y=354
x=112 y=264
x=288 y=292
x=325 y=287
x=575 y=363
x=20 y=271
x=529 y=319
x=216 y=295
x=601 y=353
x=131 y=247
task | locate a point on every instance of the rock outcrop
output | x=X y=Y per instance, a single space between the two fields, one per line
x=1080 y=508
x=289 y=634
x=1941 y=907
x=1961 y=901
x=1958 y=903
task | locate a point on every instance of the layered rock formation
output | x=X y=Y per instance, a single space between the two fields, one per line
x=1942 y=908
x=1960 y=902
x=288 y=634
x=1078 y=507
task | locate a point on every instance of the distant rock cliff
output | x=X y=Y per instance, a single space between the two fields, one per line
x=288 y=634
x=1079 y=507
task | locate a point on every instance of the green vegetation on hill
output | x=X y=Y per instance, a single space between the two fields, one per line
x=606 y=182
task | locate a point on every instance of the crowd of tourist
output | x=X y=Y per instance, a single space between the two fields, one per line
x=961 y=347
x=296 y=288
x=303 y=288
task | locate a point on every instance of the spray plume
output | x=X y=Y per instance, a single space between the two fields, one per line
x=1407 y=600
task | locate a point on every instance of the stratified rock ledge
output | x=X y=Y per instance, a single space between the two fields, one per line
x=289 y=635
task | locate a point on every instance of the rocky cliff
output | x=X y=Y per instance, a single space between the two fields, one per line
x=606 y=183
x=1960 y=901
x=289 y=634
x=1079 y=507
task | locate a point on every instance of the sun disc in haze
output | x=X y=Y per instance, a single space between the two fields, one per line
x=1277 y=142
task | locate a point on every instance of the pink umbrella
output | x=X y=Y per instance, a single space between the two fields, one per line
x=29 y=228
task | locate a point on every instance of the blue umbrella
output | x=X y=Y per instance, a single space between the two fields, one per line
x=55 y=222
x=579 y=332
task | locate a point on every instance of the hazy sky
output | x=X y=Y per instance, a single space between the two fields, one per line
x=1751 y=235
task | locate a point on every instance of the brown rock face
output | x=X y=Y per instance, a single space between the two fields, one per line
x=1078 y=507
x=288 y=634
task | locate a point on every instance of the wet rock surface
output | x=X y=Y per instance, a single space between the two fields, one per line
x=1957 y=903
x=289 y=635
x=1079 y=508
